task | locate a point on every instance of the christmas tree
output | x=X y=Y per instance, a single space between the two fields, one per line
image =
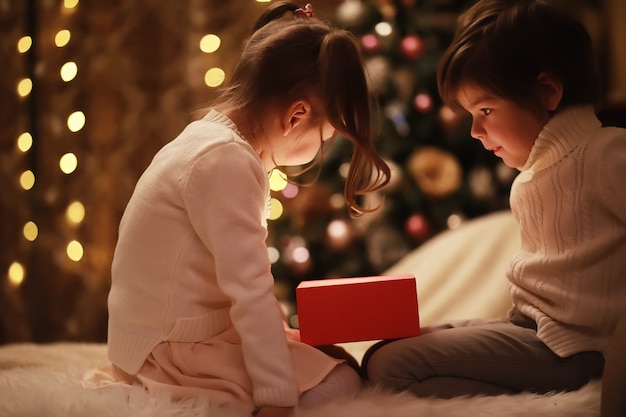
x=440 y=175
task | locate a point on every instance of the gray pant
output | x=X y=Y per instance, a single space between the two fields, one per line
x=478 y=357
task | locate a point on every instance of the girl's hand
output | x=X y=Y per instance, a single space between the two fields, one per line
x=275 y=412
x=292 y=334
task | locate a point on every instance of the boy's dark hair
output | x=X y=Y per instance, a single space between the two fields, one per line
x=503 y=45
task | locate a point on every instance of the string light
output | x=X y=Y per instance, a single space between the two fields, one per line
x=27 y=179
x=75 y=212
x=70 y=4
x=74 y=251
x=24 y=44
x=76 y=121
x=16 y=274
x=278 y=180
x=210 y=43
x=68 y=163
x=24 y=142
x=62 y=38
x=68 y=71
x=31 y=231
x=214 y=77
x=276 y=209
x=24 y=87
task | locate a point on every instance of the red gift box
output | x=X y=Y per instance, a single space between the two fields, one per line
x=357 y=309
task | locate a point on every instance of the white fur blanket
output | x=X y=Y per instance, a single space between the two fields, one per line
x=45 y=380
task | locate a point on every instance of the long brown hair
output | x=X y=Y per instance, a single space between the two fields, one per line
x=287 y=58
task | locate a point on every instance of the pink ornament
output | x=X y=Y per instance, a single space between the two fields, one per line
x=412 y=47
x=417 y=227
x=370 y=43
x=423 y=102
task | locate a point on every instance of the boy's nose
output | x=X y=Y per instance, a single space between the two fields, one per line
x=477 y=132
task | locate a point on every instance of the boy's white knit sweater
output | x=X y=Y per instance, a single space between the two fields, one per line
x=570 y=202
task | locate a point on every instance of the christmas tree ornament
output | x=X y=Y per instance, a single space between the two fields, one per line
x=356 y=15
x=412 y=47
x=436 y=172
x=339 y=234
x=423 y=103
x=378 y=68
x=417 y=227
x=370 y=43
x=450 y=120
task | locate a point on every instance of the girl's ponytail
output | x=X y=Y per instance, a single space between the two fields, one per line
x=347 y=102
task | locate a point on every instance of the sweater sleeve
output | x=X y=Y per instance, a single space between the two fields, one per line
x=611 y=165
x=226 y=198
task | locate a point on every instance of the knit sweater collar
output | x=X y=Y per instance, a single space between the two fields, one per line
x=563 y=132
x=220 y=118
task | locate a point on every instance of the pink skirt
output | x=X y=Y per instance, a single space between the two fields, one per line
x=215 y=369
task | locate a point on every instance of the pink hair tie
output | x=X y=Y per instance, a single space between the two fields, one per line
x=306 y=12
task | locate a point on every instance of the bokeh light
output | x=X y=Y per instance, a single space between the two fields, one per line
x=276 y=209
x=27 y=179
x=75 y=251
x=24 y=142
x=210 y=43
x=16 y=274
x=31 y=231
x=62 y=38
x=76 y=121
x=278 y=180
x=24 y=87
x=214 y=77
x=24 y=44
x=68 y=71
x=68 y=163
x=75 y=212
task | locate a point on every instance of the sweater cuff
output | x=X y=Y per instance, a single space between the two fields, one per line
x=285 y=396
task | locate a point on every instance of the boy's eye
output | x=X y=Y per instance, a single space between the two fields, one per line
x=485 y=111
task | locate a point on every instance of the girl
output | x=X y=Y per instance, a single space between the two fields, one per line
x=192 y=307
x=524 y=71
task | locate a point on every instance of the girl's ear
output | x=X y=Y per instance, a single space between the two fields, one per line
x=550 y=90
x=296 y=115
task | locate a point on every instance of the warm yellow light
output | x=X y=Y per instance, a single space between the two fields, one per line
x=68 y=163
x=276 y=209
x=278 y=180
x=210 y=43
x=27 y=179
x=24 y=44
x=214 y=77
x=31 y=231
x=70 y=4
x=69 y=71
x=62 y=38
x=76 y=121
x=74 y=251
x=75 y=212
x=16 y=274
x=24 y=87
x=24 y=142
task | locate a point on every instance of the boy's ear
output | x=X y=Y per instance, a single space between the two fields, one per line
x=296 y=115
x=550 y=90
